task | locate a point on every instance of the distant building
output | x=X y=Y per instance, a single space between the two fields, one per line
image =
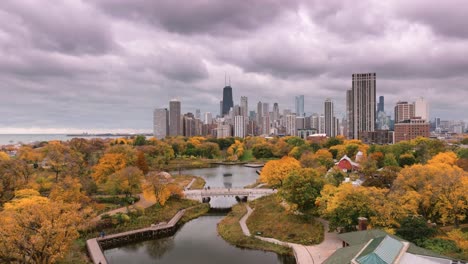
x=244 y=107
x=421 y=108
x=175 y=118
x=360 y=104
x=189 y=125
x=227 y=100
x=223 y=131
x=329 y=118
x=299 y=104
x=160 y=123
x=411 y=129
x=291 y=125
x=239 y=126
x=381 y=137
x=321 y=128
x=208 y=118
x=300 y=122
x=404 y=111
x=381 y=104
x=197 y=114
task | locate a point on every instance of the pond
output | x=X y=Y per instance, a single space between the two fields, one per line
x=198 y=240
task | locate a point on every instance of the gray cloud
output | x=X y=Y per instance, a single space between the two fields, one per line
x=106 y=64
x=199 y=17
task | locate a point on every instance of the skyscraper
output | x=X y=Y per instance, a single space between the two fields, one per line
x=160 y=123
x=208 y=118
x=291 y=125
x=329 y=115
x=381 y=104
x=299 y=103
x=276 y=113
x=175 y=120
x=361 y=104
x=239 y=126
x=227 y=100
x=244 y=107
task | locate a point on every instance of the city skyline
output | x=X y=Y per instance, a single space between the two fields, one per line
x=86 y=64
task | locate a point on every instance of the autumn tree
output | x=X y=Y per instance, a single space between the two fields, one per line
x=141 y=162
x=108 y=164
x=301 y=188
x=276 y=171
x=209 y=150
x=125 y=181
x=159 y=189
x=35 y=229
x=62 y=160
x=343 y=205
x=438 y=188
x=69 y=190
x=235 y=151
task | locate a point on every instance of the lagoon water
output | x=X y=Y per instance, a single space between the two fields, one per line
x=198 y=240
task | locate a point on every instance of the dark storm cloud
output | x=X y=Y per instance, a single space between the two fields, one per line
x=199 y=17
x=106 y=64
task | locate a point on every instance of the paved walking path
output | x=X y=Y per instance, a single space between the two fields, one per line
x=190 y=184
x=142 y=203
x=304 y=254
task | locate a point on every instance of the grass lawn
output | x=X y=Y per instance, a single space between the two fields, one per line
x=184 y=180
x=272 y=220
x=152 y=215
x=230 y=230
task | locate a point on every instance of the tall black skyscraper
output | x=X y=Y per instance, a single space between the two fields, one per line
x=380 y=104
x=227 y=100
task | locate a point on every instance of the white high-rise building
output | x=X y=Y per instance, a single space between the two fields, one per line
x=160 y=123
x=321 y=129
x=291 y=125
x=208 y=118
x=239 y=126
x=329 y=116
x=421 y=108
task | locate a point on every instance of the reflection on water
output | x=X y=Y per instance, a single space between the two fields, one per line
x=196 y=242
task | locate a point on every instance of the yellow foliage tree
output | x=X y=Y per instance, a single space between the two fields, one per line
x=35 y=229
x=4 y=156
x=235 y=151
x=276 y=171
x=156 y=189
x=438 y=188
x=108 y=164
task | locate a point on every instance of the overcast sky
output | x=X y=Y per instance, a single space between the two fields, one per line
x=104 y=65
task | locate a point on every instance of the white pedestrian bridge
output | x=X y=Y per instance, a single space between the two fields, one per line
x=251 y=194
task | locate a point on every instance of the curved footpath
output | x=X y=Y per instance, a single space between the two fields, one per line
x=304 y=254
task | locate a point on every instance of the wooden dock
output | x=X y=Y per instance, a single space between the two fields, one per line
x=95 y=246
x=254 y=165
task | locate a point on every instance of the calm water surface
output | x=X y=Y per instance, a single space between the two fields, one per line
x=196 y=242
x=225 y=176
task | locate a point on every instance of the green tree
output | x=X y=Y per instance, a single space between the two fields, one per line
x=390 y=160
x=407 y=160
x=140 y=140
x=415 y=229
x=301 y=188
x=262 y=151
